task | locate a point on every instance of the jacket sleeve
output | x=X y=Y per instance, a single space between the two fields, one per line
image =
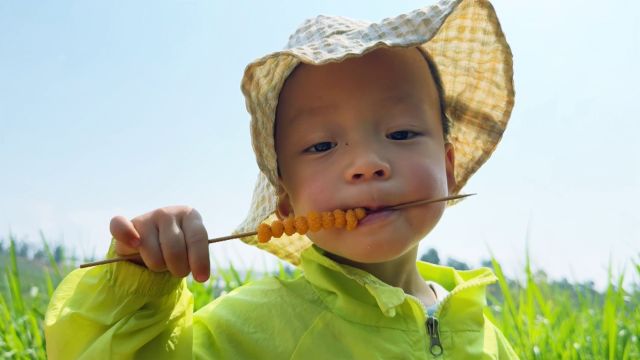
x=120 y=310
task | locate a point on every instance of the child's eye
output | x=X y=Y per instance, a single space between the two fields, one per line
x=320 y=147
x=402 y=135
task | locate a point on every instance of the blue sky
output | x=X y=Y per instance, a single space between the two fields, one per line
x=116 y=107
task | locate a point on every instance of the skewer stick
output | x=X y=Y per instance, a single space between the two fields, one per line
x=136 y=257
x=428 y=201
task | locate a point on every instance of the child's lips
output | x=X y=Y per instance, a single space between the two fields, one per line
x=375 y=217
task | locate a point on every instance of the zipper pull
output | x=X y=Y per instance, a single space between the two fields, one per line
x=434 y=336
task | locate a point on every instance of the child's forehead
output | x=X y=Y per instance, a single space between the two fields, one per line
x=380 y=62
x=381 y=77
x=316 y=107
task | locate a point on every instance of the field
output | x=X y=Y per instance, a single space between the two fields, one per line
x=542 y=319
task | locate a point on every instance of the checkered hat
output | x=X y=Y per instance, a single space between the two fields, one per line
x=464 y=40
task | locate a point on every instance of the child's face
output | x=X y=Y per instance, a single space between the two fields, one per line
x=365 y=132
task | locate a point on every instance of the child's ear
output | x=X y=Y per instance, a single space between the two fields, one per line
x=283 y=206
x=450 y=161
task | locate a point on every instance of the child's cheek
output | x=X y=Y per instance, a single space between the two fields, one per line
x=426 y=181
x=314 y=193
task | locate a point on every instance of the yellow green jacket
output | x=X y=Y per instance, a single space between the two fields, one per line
x=334 y=311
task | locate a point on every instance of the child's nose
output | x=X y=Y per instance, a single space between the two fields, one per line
x=369 y=167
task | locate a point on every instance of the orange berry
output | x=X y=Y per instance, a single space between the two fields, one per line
x=327 y=219
x=315 y=221
x=360 y=213
x=352 y=220
x=340 y=219
x=264 y=233
x=277 y=228
x=301 y=225
x=289 y=225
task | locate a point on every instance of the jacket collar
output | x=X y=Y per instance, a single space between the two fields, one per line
x=356 y=293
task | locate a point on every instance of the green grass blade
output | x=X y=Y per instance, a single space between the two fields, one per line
x=13 y=279
x=511 y=308
x=52 y=262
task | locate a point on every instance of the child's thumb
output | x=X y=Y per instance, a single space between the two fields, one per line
x=123 y=231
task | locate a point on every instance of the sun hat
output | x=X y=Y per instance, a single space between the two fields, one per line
x=464 y=40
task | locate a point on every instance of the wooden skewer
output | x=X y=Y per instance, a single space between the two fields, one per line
x=428 y=201
x=138 y=258
x=251 y=233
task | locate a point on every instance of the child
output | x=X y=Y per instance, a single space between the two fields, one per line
x=351 y=114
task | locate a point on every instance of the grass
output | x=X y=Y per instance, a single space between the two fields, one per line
x=551 y=322
x=541 y=319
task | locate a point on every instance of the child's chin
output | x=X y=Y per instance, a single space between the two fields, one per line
x=372 y=258
x=368 y=256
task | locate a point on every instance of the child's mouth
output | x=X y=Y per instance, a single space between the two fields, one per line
x=375 y=216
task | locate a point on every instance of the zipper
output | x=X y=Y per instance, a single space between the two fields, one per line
x=432 y=323
x=435 y=348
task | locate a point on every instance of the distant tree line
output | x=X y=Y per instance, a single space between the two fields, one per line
x=27 y=250
x=431 y=256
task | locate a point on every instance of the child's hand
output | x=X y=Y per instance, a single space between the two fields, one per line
x=171 y=238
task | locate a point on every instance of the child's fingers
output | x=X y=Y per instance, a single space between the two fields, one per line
x=163 y=244
x=173 y=246
x=197 y=241
x=150 y=247
x=123 y=231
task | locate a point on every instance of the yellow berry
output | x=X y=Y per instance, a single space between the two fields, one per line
x=289 y=226
x=264 y=233
x=315 y=221
x=301 y=225
x=339 y=217
x=327 y=219
x=352 y=220
x=277 y=228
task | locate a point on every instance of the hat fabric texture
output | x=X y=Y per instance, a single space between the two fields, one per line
x=463 y=38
